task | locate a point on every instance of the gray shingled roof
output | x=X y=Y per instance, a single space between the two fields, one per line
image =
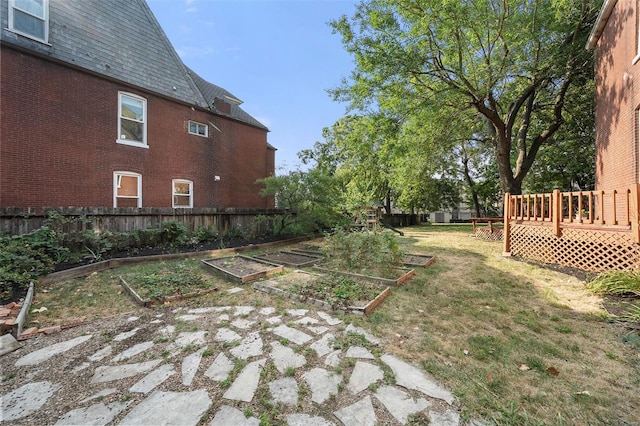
x=120 y=39
x=211 y=92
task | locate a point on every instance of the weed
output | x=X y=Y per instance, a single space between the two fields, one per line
x=226 y=383
x=284 y=341
x=161 y=340
x=616 y=283
x=564 y=329
x=248 y=412
x=536 y=363
x=290 y=372
x=207 y=352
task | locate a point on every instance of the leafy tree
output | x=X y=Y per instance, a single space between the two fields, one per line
x=514 y=64
x=311 y=200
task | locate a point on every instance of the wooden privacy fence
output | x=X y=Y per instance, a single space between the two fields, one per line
x=17 y=221
x=589 y=230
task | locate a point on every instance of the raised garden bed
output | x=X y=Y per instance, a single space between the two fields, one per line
x=241 y=269
x=391 y=276
x=288 y=258
x=334 y=291
x=414 y=259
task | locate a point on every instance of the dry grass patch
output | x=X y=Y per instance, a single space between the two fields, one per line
x=517 y=343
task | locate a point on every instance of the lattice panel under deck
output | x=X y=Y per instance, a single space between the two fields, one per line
x=484 y=233
x=589 y=250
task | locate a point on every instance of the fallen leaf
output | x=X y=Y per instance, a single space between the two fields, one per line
x=37 y=311
x=583 y=393
x=489 y=377
x=524 y=367
x=552 y=371
x=466 y=352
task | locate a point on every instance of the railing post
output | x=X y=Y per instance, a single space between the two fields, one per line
x=633 y=213
x=556 y=215
x=506 y=230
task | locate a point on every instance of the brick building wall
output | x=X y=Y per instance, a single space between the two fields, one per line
x=58 y=131
x=617 y=99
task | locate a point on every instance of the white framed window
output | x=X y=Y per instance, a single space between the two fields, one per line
x=182 y=193
x=127 y=189
x=198 y=129
x=132 y=120
x=30 y=18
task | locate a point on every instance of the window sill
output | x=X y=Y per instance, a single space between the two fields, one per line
x=636 y=59
x=131 y=143
x=29 y=36
x=198 y=134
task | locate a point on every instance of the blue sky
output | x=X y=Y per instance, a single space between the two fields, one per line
x=278 y=56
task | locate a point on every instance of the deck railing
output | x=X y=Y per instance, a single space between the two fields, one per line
x=581 y=215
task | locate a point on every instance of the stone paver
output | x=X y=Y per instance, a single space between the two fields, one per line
x=153 y=379
x=132 y=351
x=292 y=334
x=26 y=399
x=220 y=368
x=97 y=414
x=8 y=343
x=228 y=416
x=359 y=414
x=109 y=373
x=400 y=404
x=410 y=377
x=284 y=391
x=245 y=385
x=359 y=352
x=37 y=357
x=169 y=408
x=249 y=347
x=323 y=384
x=324 y=345
x=284 y=357
x=307 y=420
x=240 y=336
x=364 y=374
x=190 y=365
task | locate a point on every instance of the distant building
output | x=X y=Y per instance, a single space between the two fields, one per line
x=98 y=110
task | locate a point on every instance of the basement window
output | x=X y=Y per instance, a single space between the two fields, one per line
x=198 y=129
x=30 y=18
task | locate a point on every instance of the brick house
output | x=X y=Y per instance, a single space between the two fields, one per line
x=98 y=110
x=615 y=39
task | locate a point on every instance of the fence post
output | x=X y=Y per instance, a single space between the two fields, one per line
x=506 y=230
x=556 y=216
x=633 y=214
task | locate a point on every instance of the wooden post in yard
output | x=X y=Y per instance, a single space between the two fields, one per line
x=506 y=230
x=633 y=212
x=556 y=215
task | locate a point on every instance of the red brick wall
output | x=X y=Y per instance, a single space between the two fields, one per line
x=58 y=130
x=617 y=100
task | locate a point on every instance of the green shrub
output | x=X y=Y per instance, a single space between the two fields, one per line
x=373 y=249
x=205 y=233
x=26 y=257
x=174 y=233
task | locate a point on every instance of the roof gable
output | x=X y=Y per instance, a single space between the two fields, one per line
x=210 y=92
